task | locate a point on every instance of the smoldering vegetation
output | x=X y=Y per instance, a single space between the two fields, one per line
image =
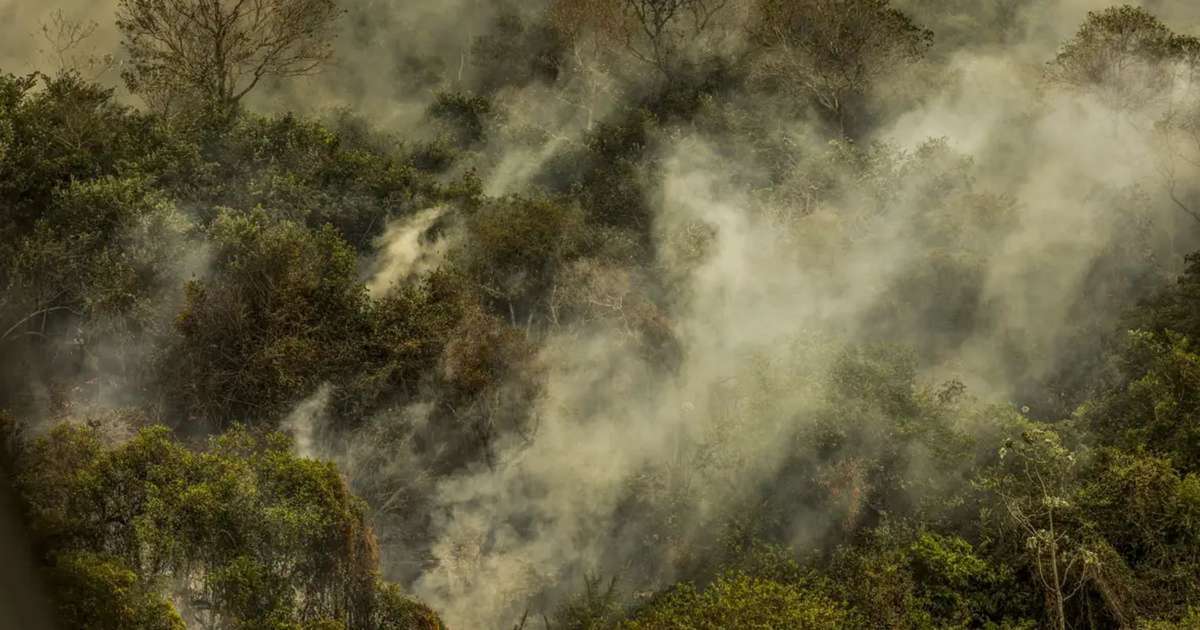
x=610 y=314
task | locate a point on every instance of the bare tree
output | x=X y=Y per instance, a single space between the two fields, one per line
x=662 y=28
x=655 y=32
x=64 y=40
x=1179 y=149
x=588 y=27
x=217 y=51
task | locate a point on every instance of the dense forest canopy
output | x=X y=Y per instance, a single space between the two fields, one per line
x=600 y=314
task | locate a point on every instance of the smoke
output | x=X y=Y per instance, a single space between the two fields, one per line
x=404 y=250
x=1051 y=202
x=1055 y=198
x=34 y=37
x=391 y=58
x=304 y=423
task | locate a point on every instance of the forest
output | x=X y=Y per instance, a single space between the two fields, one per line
x=599 y=314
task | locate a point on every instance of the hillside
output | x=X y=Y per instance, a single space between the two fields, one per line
x=600 y=314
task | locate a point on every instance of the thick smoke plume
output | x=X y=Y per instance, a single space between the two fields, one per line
x=764 y=307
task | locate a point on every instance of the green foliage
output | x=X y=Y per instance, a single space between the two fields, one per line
x=1190 y=620
x=1147 y=511
x=465 y=118
x=1153 y=408
x=901 y=578
x=104 y=247
x=884 y=445
x=612 y=184
x=208 y=270
x=94 y=269
x=740 y=601
x=249 y=534
x=410 y=328
x=515 y=246
x=88 y=247
x=1176 y=308
x=515 y=52
x=72 y=130
x=313 y=173
x=394 y=611
x=831 y=53
x=596 y=608
x=95 y=591
x=281 y=312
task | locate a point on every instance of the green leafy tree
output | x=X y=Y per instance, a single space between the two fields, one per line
x=314 y=173
x=246 y=533
x=282 y=312
x=1153 y=407
x=900 y=578
x=91 y=281
x=464 y=118
x=64 y=129
x=1147 y=511
x=95 y=591
x=1036 y=484
x=738 y=600
x=395 y=611
x=515 y=248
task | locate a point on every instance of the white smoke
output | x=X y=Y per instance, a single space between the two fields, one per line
x=402 y=252
x=305 y=422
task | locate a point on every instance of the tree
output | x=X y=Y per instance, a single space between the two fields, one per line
x=586 y=28
x=394 y=611
x=87 y=282
x=1133 y=62
x=1122 y=54
x=1036 y=482
x=217 y=51
x=516 y=246
x=245 y=532
x=314 y=172
x=900 y=578
x=737 y=600
x=663 y=29
x=64 y=37
x=516 y=52
x=62 y=129
x=657 y=33
x=282 y=313
x=1147 y=511
x=1156 y=406
x=832 y=51
x=98 y=591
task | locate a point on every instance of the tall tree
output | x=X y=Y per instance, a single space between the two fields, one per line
x=1133 y=63
x=1036 y=483
x=658 y=33
x=217 y=51
x=1125 y=55
x=662 y=29
x=588 y=29
x=830 y=52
